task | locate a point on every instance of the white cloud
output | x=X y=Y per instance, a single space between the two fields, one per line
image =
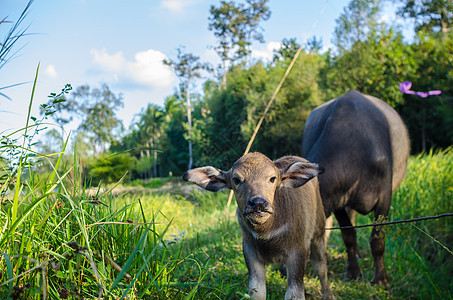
x=147 y=68
x=326 y=47
x=51 y=71
x=266 y=53
x=109 y=62
x=176 y=6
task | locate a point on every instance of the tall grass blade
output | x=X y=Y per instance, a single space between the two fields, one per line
x=31 y=102
x=51 y=179
x=21 y=160
x=191 y=294
x=17 y=191
x=130 y=259
x=9 y=270
x=145 y=264
x=12 y=37
x=28 y=210
x=59 y=160
x=5 y=226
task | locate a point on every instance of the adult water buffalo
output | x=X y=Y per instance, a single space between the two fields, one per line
x=363 y=144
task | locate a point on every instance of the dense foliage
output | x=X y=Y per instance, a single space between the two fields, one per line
x=213 y=125
x=373 y=60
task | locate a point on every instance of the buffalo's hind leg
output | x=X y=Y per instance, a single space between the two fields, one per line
x=352 y=213
x=377 y=242
x=350 y=241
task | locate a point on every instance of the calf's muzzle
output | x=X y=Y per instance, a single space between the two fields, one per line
x=257 y=206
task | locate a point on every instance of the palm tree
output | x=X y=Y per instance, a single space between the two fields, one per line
x=150 y=127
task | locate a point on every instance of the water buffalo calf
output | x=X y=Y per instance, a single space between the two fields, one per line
x=364 y=145
x=281 y=215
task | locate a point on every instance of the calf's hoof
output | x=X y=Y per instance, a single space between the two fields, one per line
x=328 y=296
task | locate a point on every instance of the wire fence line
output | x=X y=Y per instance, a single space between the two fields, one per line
x=394 y=222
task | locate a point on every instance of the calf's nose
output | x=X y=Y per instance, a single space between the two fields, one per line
x=258 y=204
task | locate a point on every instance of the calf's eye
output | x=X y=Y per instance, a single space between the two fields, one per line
x=236 y=181
x=272 y=180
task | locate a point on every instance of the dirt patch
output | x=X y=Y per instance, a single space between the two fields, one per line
x=174 y=186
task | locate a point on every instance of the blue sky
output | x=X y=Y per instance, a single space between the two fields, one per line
x=122 y=43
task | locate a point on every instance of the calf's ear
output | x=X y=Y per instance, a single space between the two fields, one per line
x=209 y=178
x=299 y=173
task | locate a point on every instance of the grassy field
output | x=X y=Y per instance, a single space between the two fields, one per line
x=59 y=240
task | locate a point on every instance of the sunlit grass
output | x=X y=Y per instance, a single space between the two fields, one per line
x=424 y=249
x=186 y=244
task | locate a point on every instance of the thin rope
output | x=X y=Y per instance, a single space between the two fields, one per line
x=272 y=100
x=395 y=222
x=293 y=61
x=257 y=128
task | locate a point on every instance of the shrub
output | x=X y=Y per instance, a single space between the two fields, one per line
x=110 y=168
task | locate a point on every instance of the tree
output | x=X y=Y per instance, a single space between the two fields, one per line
x=372 y=58
x=375 y=66
x=150 y=128
x=228 y=113
x=109 y=168
x=188 y=68
x=314 y=44
x=430 y=15
x=225 y=22
x=97 y=108
x=257 y=11
x=174 y=156
x=430 y=120
x=128 y=142
x=287 y=50
x=284 y=123
x=51 y=143
x=236 y=26
x=376 y=63
x=358 y=20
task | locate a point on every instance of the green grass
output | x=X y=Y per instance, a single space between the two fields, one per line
x=424 y=249
x=174 y=245
x=153 y=183
x=77 y=240
x=419 y=258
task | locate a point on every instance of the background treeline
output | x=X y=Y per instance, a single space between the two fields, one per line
x=213 y=125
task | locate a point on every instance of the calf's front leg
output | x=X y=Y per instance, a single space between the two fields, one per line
x=257 y=273
x=295 y=269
